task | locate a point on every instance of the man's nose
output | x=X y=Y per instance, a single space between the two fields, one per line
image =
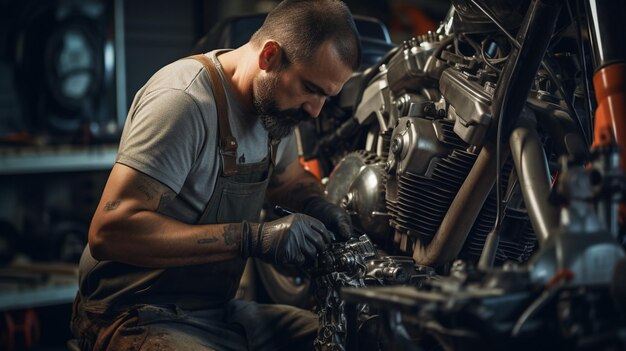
x=314 y=106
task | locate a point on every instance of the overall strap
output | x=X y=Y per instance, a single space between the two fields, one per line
x=227 y=142
x=273 y=150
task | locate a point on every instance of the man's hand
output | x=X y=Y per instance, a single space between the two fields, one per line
x=296 y=239
x=336 y=219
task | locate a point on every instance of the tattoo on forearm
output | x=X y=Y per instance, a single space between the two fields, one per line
x=149 y=188
x=146 y=190
x=157 y=194
x=111 y=205
x=231 y=234
x=210 y=240
x=165 y=199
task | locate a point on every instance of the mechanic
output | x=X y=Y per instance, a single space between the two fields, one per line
x=207 y=140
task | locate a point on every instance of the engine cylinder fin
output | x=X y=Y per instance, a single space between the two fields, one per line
x=422 y=202
x=421 y=227
x=418 y=220
x=449 y=136
x=419 y=204
x=427 y=208
x=518 y=245
x=450 y=171
x=517 y=241
x=425 y=198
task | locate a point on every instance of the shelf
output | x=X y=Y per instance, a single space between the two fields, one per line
x=37 y=285
x=29 y=160
x=38 y=296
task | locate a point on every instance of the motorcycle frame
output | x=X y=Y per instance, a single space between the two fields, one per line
x=531 y=164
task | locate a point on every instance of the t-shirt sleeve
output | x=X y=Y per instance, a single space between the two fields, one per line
x=287 y=151
x=164 y=137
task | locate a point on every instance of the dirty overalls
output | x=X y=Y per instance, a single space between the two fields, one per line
x=160 y=316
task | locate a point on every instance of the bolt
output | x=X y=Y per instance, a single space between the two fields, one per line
x=396 y=145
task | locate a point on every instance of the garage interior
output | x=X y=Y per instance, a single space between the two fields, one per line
x=69 y=70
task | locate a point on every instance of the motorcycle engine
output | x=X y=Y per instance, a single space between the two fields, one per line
x=429 y=112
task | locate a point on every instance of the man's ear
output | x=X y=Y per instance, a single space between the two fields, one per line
x=270 y=55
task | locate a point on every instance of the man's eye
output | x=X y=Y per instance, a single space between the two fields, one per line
x=308 y=89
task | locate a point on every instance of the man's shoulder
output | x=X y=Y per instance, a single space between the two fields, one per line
x=182 y=75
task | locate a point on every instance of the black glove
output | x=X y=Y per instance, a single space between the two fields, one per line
x=336 y=219
x=296 y=238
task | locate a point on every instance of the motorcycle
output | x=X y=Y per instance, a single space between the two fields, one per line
x=487 y=195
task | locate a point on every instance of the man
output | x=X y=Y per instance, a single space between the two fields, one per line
x=179 y=214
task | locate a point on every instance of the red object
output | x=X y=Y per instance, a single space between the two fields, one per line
x=312 y=166
x=21 y=323
x=610 y=126
x=610 y=120
x=412 y=19
x=7 y=332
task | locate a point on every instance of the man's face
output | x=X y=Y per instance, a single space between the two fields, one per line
x=285 y=96
x=277 y=122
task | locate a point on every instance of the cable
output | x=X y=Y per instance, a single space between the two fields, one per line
x=489 y=250
x=560 y=279
x=480 y=51
x=569 y=104
x=491 y=62
x=491 y=243
x=486 y=259
x=548 y=69
x=493 y=19
x=583 y=59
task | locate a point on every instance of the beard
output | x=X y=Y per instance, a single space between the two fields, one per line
x=278 y=123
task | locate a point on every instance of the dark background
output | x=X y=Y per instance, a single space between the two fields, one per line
x=68 y=73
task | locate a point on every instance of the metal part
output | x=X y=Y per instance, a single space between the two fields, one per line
x=396 y=270
x=509 y=98
x=582 y=245
x=608 y=184
x=470 y=105
x=414 y=66
x=436 y=191
x=375 y=100
x=460 y=217
x=358 y=185
x=344 y=174
x=332 y=330
x=606 y=19
x=414 y=145
x=475 y=312
x=342 y=265
x=532 y=170
x=345 y=257
x=366 y=201
x=355 y=264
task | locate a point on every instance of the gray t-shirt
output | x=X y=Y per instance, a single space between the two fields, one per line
x=171 y=135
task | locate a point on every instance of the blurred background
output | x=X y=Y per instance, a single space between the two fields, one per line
x=68 y=72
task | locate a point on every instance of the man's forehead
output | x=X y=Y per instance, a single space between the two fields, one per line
x=327 y=75
x=324 y=87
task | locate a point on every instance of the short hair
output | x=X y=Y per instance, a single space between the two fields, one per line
x=302 y=26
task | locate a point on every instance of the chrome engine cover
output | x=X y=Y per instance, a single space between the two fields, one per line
x=358 y=185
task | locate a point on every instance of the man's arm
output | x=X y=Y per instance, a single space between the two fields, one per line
x=126 y=227
x=295 y=188
x=292 y=186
